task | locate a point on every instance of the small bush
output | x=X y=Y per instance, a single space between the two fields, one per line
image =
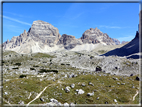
x=98 y=68
x=17 y=64
x=35 y=66
x=32 y=69
x=62 y=64
x=3 y=61
x=91 y=57
x=15 y=68
x=22 y=76
x=44 y=70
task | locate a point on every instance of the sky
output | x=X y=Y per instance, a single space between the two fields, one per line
x=118 y=20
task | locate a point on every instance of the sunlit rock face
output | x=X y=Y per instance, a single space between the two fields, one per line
x=44 y=32
x=69 y=41
x=116 y=41
x=96 y=36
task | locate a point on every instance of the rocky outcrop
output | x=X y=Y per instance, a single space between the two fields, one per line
x=44 y=32
x=15 y=41
x=44 y=37
x=131 y=48
x=69 y=41
x=123 y=42
x=116 y=41
x=96 y=36
x=41 y=33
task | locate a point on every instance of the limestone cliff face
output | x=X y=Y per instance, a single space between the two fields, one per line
x=96 y=36
x=44 y=37
x=15 y=41
x=40 y=31
x=69 y=41
x=116 y=41
x=44 y=32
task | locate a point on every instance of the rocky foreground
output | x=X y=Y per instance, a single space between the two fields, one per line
x=42 y=67
x=69 y=78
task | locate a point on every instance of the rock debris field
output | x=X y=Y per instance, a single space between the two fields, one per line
x=68 y=78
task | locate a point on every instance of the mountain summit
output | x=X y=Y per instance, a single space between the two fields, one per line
x=96 y=36
x=44 y=37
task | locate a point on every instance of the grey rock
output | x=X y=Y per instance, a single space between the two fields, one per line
x=115 y=78
x=21 y=102
x=90 y=94
x=116 y=41
x=115 y=100
x=69 y=41
x=45 y=32
x=80 y=91
x=72 y=85
x=67 y=89
x=83 y=85
x=118 y=83
x=90 y=84
x=66 y=105
x=96 y=36
x=122 y=83
x=72 y=105
x=54 y=100
x=41 y=99
x=133 y=86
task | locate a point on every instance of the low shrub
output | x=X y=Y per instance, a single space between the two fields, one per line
x=35 y=66
x=19 y=64
x=44 y=70
x=32 y=69
x=22 y=76
x=98 y=68
x=15 y=68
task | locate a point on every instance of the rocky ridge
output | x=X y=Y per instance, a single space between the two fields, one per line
x=117 y=42
x=96 y=36
x=44 y=37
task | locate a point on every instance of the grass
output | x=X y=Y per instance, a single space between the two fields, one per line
x=102 y=51
x=105 y=87
x=42 y=55
x=102 y=84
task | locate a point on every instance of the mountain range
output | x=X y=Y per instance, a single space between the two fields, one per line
x=44 y=37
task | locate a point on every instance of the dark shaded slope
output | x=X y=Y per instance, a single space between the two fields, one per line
x=128 y=49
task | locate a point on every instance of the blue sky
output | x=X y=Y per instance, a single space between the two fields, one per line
x=118 y=20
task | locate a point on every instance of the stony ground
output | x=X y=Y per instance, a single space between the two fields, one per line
x=69 y=78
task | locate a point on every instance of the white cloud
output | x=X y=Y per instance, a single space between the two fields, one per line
x=25 y=23
x=19 y=15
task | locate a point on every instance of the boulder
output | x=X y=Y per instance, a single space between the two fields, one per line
x=137 y=78
x=72 y=85
x=80 y=91
x=90 y=94
x=67 y=89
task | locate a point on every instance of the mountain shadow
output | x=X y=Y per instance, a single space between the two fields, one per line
x=131 y=48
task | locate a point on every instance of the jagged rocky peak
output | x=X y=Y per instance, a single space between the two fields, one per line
x=96 y=36
x=117 y=42
x=40 y=28
x=69 y=41
x=45 y=32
